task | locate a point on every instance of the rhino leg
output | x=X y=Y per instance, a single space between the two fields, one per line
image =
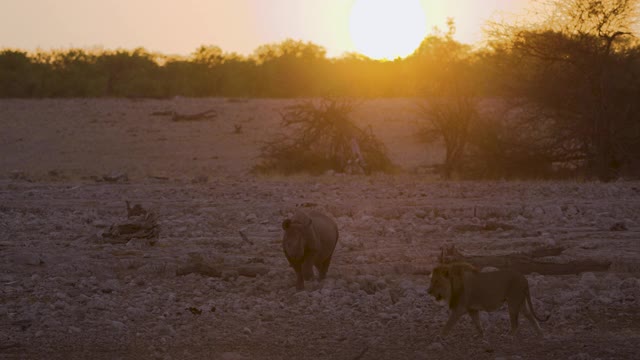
x=307 y=269
x=299 y=281
x=323 y=268
x=299 y=277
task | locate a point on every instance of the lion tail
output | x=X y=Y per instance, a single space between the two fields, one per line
x=533 y=311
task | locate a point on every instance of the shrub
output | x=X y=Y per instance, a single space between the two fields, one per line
x=321 y=136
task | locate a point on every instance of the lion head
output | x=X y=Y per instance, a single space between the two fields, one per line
x=447 y=281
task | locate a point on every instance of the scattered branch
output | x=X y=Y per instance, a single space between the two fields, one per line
x=245 y=238
x=175 y=116
x=205 y=115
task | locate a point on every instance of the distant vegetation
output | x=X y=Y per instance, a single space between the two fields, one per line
x=288 y=69
x=569 y=87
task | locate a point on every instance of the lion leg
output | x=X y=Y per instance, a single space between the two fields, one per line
x=513 y=318
x=476 y=321
x=453 y=319
x=536 y=326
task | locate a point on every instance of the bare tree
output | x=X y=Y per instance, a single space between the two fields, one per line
x=321 y=136
x=449 y=105
x=449 y=118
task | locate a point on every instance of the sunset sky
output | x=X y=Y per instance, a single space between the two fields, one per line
x=179 y=27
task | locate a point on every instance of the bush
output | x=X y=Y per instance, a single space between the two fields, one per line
x=321 y=137
x=521 y=143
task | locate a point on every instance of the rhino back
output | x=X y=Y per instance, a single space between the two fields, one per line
x=326 y=231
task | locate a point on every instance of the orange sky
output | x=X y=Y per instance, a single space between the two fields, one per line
x=179 y=27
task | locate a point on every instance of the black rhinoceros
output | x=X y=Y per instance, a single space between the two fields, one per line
x=309 y=240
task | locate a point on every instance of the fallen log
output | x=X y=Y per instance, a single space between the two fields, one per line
x=209 y=114
x=199 y=268
x=526 y=263
x=163 y=113
x=219 y=271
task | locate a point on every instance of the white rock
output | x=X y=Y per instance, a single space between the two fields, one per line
x=165 y=330
x=97 y=303
x=629 y=283
x=120 y=326
x=231 y=356
x=572 y=211
x=406 y=285
x=489 y=269
x=580 y=356
x=588 y=279
x=361 y=259
x=59 y=305
x=134 y=312
x=110 y=285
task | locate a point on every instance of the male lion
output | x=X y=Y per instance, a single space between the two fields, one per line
x=468 y=291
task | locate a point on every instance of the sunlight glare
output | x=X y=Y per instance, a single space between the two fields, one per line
x=386 y=29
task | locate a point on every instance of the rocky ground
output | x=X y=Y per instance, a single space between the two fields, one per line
x=68 y=292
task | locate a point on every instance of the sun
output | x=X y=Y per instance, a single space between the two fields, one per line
x=387 y=29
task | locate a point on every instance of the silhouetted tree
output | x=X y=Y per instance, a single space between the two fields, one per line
x=579 y=69
x=130 y=73
x=16 y=74
x=449 y=118
x=291 y=68
x=449 y=90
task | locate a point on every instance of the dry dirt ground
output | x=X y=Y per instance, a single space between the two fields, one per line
x=66 y=293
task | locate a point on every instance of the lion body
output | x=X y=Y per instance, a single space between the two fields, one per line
x=469 y=291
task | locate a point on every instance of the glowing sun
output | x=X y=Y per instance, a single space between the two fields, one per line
x=386 y=29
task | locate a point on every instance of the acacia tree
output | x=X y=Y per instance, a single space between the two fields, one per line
x=578 y=68
x=447 y=85
x=449 y=119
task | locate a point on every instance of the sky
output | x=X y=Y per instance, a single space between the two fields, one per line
x=175 y=27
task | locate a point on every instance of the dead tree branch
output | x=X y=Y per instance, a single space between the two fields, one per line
x=526 y=263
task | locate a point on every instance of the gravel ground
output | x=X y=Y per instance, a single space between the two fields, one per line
x=68 y=294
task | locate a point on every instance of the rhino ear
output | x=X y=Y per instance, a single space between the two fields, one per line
x=309 y=222
x=286 y=224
